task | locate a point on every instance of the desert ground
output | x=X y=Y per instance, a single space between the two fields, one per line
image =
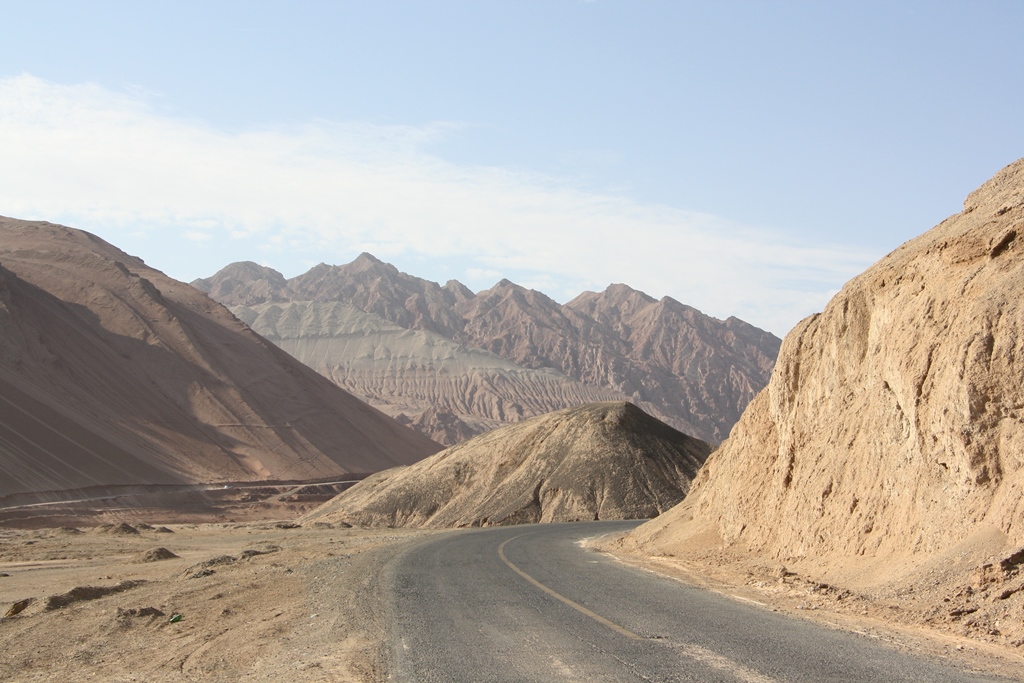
x=263 y=599
x=258 y=601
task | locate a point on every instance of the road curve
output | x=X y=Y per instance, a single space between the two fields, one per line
x=528 y=603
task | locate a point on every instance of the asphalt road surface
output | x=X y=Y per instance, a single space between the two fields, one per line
x=528 y=603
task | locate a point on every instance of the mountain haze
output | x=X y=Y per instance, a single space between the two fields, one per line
x=113 y=373
x=694 y=372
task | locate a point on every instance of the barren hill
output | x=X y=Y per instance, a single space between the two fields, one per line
x=690 y=370
x=113 y=373
x=889 y=445
x=597 y=461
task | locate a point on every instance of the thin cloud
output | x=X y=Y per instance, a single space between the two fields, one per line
x=112 y=164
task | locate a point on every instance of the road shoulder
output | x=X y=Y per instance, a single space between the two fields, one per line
x=777 y=589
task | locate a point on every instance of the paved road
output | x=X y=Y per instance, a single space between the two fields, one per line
x=528 y=603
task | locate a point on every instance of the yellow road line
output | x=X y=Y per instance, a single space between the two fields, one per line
x=558 y=596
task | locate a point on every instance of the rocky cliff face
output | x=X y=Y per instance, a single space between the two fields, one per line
x=113 y=373
x=692 y=371
x=893 y=424
x=598 y=461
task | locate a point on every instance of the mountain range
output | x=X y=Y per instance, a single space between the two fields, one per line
x=452 y=363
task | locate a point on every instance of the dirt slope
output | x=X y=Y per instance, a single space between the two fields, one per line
x=598 y=461
x=113 y=373
x=887 y=452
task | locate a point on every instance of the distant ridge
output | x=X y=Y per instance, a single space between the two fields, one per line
x=597 y=461
x=692 y=371
x=112 y=373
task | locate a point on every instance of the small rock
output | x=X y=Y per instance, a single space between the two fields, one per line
x=18 y=607
x=155 y=555
x=199 y=573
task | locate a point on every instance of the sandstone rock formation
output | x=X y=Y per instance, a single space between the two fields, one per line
x=692 y=371
x=113 y=373
x=891 y=433
x=597 y=461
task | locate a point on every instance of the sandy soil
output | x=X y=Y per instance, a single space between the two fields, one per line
x=260 y=601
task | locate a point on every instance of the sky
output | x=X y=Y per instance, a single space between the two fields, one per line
x=745 y=158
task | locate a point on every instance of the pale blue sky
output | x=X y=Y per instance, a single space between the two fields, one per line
x=746 y=158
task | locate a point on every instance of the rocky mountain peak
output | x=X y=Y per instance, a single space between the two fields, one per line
x=502 y=290
x=618 y=293
x=616 y=303
x=366 y=258
x=460 y=291
x=245 y=270
x=368 y=263
x=244 y=283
